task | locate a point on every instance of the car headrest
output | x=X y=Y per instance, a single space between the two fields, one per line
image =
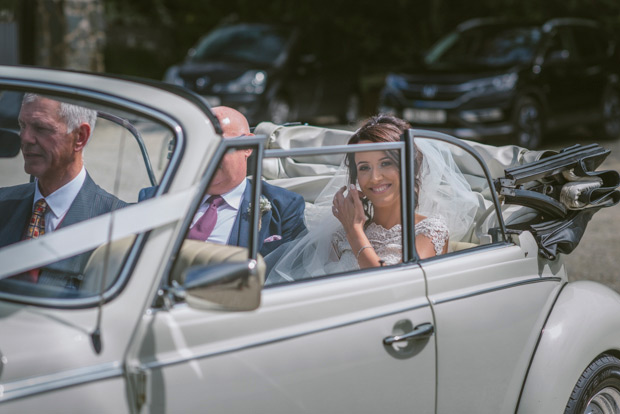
x=196 y=253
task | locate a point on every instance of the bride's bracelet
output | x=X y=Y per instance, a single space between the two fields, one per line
x=357 y=256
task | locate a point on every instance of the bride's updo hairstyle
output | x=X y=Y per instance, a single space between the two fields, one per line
x=381 y=128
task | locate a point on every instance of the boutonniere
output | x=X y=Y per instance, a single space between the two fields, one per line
x=263 y=206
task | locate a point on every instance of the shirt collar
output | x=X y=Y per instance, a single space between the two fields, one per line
x=60 y=200
x=234 y=197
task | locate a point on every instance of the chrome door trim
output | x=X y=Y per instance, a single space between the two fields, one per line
x=44 y=383
x=161 y=364
x=497 y=288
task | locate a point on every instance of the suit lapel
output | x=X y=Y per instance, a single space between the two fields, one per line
x=81 y=208
x=241 y=228
x=240 y=234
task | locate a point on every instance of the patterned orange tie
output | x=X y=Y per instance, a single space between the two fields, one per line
x=36 y=226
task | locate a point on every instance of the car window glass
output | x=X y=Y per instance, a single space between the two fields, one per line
x=491 y=45
x=319 y=245
x=562 y=45
x=243 y=43
x=221 y=225
x=455 y=205
x=66 y=164
x=589 y=45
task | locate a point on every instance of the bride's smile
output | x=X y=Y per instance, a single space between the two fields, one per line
x=379 y=179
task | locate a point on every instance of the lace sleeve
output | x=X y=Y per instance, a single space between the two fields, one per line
x=340 y=243
x=344 y=259
x=436 y=230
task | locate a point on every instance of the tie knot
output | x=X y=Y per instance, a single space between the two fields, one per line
x=216 y=201
x=40 y=206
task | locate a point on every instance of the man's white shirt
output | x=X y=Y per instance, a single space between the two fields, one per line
x=226 y=213
x=60 y=200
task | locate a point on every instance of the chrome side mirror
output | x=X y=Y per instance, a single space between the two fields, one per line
x=224 y=286
x=217 y=277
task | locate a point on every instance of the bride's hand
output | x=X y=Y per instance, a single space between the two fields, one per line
x=349 y=210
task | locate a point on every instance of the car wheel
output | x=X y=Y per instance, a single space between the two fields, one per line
x=352 y=109
x=279 y=110
x=528 y=123
x=610 y=106
x=598 y=388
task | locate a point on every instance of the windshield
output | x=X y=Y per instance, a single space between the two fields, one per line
x=485 y=46
x=254 y=44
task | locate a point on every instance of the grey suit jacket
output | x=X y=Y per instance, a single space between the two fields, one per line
x=16 y=209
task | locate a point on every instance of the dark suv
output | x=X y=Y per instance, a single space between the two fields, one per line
x=270 y=73
x=491 y=78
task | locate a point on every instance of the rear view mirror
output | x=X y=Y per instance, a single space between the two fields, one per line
x=9 y=143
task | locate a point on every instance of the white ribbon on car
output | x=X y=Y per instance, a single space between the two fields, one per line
x=90 y=234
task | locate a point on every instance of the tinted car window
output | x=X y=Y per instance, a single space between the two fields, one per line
x=590 y=45
x=261 y=44
x=488 y=45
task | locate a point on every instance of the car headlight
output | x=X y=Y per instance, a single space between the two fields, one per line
x=395 y=81
x=252 y=81
x=172 y=76
x=495 y=84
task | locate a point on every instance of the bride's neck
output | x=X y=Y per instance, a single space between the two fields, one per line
x=386 y=217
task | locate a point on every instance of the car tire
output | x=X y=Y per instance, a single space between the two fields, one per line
x=609 y=128
x=598 y=388
x=528 y=123
x=352 y=109
x=279 y=110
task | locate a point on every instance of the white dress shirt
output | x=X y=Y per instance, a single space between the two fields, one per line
x=226 y=213
x=60 y=200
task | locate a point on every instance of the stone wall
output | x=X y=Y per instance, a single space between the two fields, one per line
x=69 y=34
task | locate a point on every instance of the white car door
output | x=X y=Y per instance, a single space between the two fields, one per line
x=490 y=299
x=310 y=347
x=314 y=345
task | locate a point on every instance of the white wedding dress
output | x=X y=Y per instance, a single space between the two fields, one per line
x=388 y=242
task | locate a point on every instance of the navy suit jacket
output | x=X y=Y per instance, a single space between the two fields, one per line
x=16 y=209
x=279 y=225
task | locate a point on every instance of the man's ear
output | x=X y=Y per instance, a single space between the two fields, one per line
x=83 y=134
x=247 y=152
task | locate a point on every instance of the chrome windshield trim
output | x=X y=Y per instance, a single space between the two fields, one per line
x=44 y=383
x=161 y=364
x=497 y=288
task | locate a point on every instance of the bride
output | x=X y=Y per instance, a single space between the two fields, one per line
x=356 y=221
x=371 y=231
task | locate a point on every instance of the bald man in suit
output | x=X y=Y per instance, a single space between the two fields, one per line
x=281 y=222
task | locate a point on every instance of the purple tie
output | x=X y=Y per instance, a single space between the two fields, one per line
x=205 y=224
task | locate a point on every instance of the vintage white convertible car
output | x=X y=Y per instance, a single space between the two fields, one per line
x=155 y=323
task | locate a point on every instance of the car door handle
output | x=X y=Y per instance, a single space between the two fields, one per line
x=422 y=331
